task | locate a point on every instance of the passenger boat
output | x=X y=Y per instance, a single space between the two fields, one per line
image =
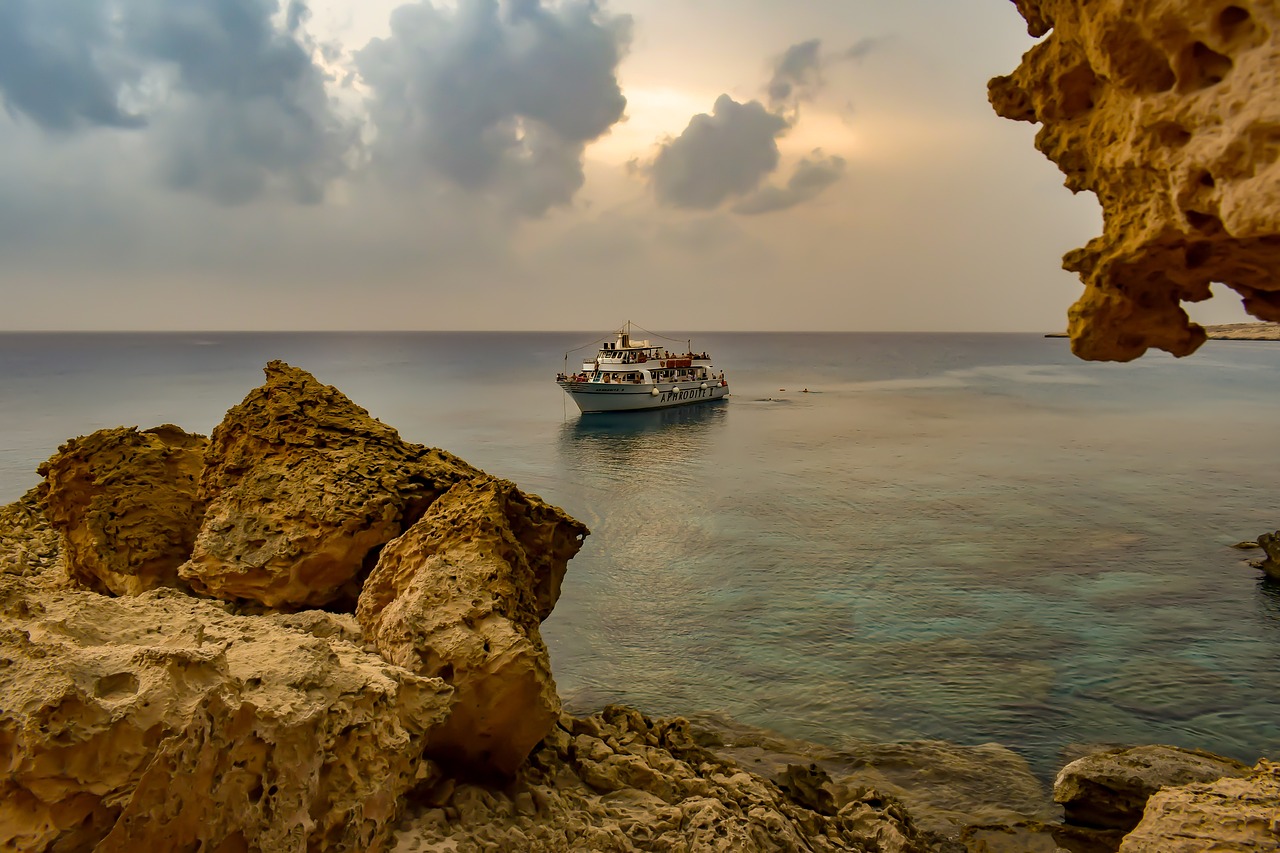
x=629 y=375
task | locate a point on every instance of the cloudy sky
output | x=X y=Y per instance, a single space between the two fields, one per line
x=375 y=164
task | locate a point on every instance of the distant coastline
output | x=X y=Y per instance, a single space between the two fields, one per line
x=1228 y=332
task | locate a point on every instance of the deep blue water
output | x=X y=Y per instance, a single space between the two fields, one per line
x=964 y=537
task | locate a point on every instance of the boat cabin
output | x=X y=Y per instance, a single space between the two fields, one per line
x=631 y=366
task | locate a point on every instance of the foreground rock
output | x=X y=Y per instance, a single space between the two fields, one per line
x=1036 y=837
x=303 y=487
x=619 y=781
x=29 y=546
x=460 y=596
x=1166 y=110
x=1227 y=816
x=1270 y=545
x=162 y=722
x=1110 y=789
x=945 y=786
x=125 y=502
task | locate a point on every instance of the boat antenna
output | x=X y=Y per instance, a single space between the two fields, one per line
x=664 y=337
x=584 y=346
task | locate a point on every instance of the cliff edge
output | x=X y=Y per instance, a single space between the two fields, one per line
x=1169 y=112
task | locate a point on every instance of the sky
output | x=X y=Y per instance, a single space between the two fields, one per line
x=822 y=165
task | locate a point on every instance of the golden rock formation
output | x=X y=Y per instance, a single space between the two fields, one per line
x=1109 y=789
x=164 y=722
x=302 y=486
x=460 y=596
x=125 y=501
x=620 y=781
x=29 y=546
x=1270 y=545
x=1227 y=816
x=1169 y=111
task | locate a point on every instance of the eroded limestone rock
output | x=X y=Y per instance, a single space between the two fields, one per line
x=161 y=722
x=1270 y=545
x=619 y=781
x=460 y=596
x=1110 y=789
x=1231 y=815
x=1036 y=837
x=302 y=487
x=1169 y=111
x=29 y=546
x=945 y=786
x=125 y=503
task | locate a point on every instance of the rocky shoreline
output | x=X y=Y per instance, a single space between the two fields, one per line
x=303 y=633
x=1244 y=332
x=1226 y=332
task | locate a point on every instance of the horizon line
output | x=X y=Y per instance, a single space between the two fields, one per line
x=519 y=331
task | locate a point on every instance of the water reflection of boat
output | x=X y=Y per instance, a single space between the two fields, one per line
x=654 y=437
x=633 y=375
x=637 y=423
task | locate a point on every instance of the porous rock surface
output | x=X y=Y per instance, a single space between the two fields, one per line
x=1037 y=837
x=162 y=722
x=945 y=786
x=29 y=546
x=460 y=596
x=620 y=781
x=1231 y=815
x=1110 y=789
x=125 y=502
x=1270 y=545
x=302 y=487
x=1169 y=111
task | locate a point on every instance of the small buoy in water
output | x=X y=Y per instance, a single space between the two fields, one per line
x=805 y=391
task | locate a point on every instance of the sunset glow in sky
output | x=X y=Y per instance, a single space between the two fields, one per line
x=525 y=164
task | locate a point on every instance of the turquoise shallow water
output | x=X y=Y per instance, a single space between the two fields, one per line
x=966 y=537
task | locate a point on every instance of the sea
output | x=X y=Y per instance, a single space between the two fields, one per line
x=877 y=537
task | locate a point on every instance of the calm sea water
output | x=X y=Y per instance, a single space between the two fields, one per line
x=966 y=537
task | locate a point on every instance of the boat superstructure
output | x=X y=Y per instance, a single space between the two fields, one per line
x=632 y=375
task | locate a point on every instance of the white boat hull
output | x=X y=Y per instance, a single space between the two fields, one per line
x=616 y=397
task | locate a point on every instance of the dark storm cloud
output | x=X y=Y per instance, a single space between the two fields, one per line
x=724 y=154
x=498 y=98
x=233 y=104
x=798 y=73
x=862 y=48
x=729 y=153
x=812 y=175
x=53 y=69
x=249 y=108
